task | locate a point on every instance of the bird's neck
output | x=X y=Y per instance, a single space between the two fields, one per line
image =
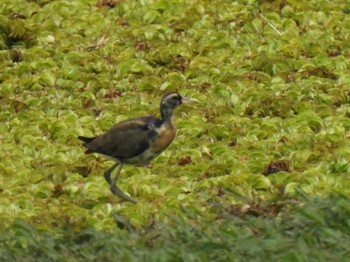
x=167 y=116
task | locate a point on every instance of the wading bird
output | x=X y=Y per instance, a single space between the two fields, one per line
x=136 y=141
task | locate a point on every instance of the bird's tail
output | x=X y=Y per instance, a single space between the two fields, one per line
x=86 y=140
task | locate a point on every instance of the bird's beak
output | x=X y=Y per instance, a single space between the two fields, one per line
x=186 y=100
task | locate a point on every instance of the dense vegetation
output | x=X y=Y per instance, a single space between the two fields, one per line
x=259 y=169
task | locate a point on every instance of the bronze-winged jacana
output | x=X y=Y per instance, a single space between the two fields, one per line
x=138 y=140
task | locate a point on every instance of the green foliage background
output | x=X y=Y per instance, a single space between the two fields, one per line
x=273 y=81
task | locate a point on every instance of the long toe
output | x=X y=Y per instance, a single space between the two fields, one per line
x=116 y=191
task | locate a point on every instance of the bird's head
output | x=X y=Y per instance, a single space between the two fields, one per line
x=174 y=99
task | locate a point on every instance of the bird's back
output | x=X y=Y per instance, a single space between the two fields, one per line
x=125 y=140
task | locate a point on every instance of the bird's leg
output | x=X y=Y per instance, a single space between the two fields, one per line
x=108 y=173
x=116 y=190
x=115 y=179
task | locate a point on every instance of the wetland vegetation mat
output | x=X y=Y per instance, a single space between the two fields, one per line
x=259 y=170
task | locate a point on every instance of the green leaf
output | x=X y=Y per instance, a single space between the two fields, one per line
x=260 y=182
x=48 y=79
x=140 y=66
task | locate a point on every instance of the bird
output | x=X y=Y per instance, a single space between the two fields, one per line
x=136 y=141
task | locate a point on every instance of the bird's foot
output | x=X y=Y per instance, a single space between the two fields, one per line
x=116 y=191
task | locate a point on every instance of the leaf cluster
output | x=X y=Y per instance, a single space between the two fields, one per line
x=317 y=230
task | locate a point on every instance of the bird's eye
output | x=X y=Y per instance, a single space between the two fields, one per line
x=177 y=100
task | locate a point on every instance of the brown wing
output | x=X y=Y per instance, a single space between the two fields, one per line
x=126 y=139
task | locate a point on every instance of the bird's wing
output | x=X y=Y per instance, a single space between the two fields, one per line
x=126 y=139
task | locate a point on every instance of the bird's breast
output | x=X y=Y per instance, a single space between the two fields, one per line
x=164 y=138
x=165 y=135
